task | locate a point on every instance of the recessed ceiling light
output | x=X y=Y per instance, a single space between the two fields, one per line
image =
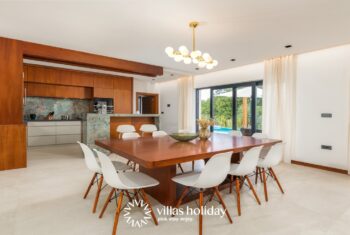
x=233 y=60
x=196 y=68
x=172 y=74
x=288 y=46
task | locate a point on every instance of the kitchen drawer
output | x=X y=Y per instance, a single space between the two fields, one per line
x=68 y=130
x=41 y=130
x=69 y=123
x=67 y=139
x=48 y=123
x=41 y=140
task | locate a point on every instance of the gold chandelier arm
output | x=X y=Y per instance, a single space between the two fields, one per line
x=193 y=39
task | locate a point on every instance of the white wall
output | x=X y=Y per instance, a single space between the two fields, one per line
x=143 y=86
x=252 y=72
x=168 y=96
x=323 y=87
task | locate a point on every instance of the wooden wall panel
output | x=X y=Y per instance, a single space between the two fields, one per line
x=13 y=147
x=103 y=93
x=123 y=95
x=102 y=81
x=11 y=82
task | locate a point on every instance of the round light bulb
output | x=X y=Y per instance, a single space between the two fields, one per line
x=210 y=66
x=169 y=50
x=201 y=64
x=195 y=61
x=193 y=54
x=187 y=60
x=183 y=50
x=206 y=57
x=215 y=62
x=178 y=58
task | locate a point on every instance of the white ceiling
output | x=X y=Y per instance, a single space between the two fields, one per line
x=247 y=30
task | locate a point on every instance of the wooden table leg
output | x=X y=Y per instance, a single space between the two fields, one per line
x=201 y=213
x=165 y=192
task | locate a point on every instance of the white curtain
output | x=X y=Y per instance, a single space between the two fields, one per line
x=186 y=100
x=279 y=101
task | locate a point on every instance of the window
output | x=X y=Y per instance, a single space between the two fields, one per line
x=233 y=107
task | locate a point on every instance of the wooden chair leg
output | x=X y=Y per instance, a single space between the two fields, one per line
x=256 y=175
x=231 y=182
x=128 y=195
x=265 y=184
x=216 y=190
x=275 y=177
x=192 y=165
x=97 y=194
x=136 y=195
x=201 y=213
x=117 y=213
x=182 y=170
x=90 y=185
x=212 y=196
x=238 y=189
x=149 y=205
x=253 y=190
x=107 y=202
x=260 y=175
x=183 y=194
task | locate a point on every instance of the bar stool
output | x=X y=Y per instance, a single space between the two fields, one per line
x=235 y=133
x=159 y=133
x=273 y=158
x=242 y=170
x=94 y=166
x=213 y=174
x=124 y=181
x=258 y=135
x=131 y=135
x=148 y=128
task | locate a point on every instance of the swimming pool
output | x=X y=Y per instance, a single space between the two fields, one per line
x=223 y=130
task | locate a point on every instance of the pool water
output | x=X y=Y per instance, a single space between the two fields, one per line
x=223 y=130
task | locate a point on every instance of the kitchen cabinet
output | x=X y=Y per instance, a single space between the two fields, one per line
x=103 y=93
x=103 y=81
x=53 y=132
x=123 y=94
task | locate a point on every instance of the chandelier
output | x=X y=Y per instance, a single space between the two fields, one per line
x=194 y=56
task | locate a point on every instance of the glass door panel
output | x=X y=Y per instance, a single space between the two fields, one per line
x=258 y=108
x=243 y=107
x=204 y=103
x=222 y=109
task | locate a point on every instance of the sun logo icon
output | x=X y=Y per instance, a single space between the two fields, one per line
x=140 y=205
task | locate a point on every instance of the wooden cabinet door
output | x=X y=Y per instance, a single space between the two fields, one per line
x=73 y=92
x=75 y=78
x=11 y=77
x=123 y=95
x=40 y=74
x=103 y=81
x=41 y=90
x=103 y=93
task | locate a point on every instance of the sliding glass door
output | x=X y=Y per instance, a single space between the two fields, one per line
x=222 y=109
x=233 y=107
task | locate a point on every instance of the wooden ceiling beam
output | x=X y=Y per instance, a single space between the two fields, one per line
x=66 y=56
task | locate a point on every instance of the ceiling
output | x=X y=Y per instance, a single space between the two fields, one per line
x=246 y=30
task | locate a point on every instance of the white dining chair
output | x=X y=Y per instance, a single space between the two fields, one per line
x=126 y=128
x=148 y=128
x=242 y=171
x=130 y=135
x=235 y=133
x=272 y=159
x=258 y=135
x=124 y=181
x=94 y=166
x=213 y=174
x=159 y=133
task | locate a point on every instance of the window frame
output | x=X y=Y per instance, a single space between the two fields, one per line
x=234 y=87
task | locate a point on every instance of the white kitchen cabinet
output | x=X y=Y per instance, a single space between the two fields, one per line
x=53 y=132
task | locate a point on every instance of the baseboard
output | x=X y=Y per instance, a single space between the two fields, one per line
x=326 y=168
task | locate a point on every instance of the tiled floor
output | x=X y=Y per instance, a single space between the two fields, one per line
x=46 y=198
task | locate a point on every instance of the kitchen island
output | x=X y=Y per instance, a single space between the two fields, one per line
x=102 y=126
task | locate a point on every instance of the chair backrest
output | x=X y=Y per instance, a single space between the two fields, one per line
x=249 y=161
x=257 y=135
x=158 y=133
x=215 y=171
x=109 y=172
x=148 y=128
x=274 y=155
x=125 y=128
x=90 y=159
x=236 y=133
x=132 y=135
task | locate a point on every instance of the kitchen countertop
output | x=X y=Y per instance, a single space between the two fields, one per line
x=58 y=120
x=124 y=115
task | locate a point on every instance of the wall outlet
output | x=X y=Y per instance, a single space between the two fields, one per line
x=326 y=115
x=326 y=147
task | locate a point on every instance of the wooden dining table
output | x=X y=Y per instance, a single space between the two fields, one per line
x=158 y=156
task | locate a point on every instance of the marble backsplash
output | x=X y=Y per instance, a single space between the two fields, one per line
x=75 y=108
